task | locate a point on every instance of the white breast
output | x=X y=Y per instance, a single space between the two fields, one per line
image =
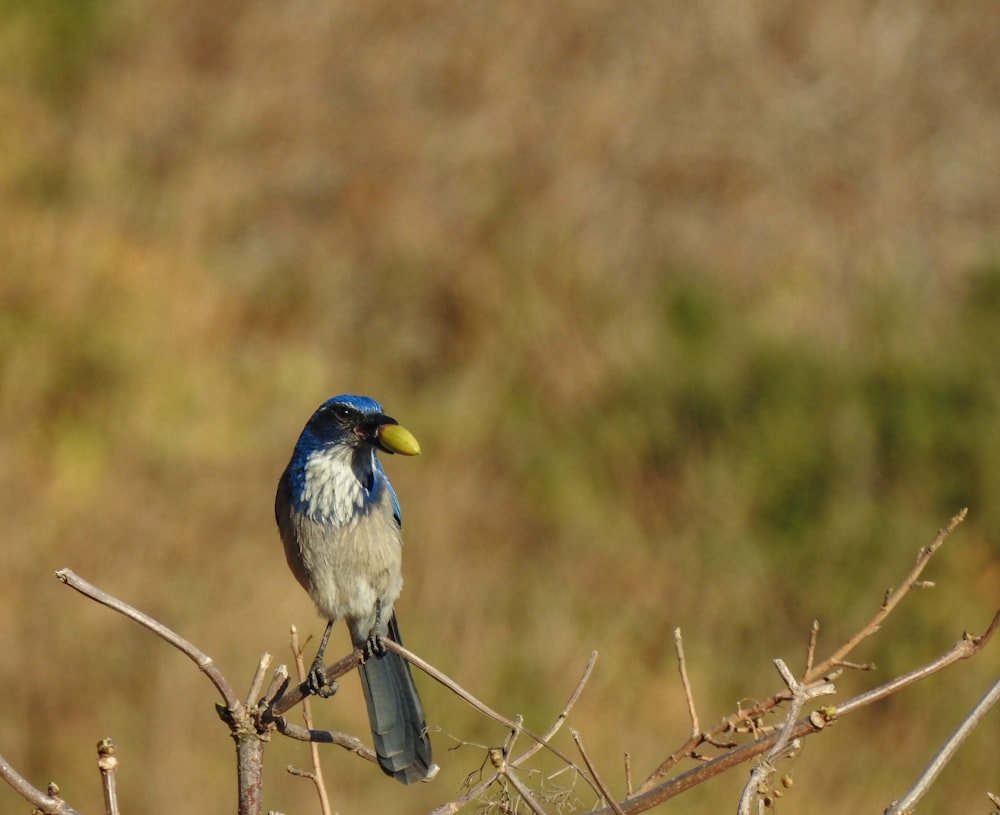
x=332 y=491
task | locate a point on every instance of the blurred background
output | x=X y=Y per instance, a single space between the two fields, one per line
x=694 y=308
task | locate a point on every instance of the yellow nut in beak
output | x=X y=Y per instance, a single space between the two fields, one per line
x=397 y=438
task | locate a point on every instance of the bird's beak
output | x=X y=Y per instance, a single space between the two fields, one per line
x=394 y=438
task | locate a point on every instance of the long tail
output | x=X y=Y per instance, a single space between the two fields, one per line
x=399 y=731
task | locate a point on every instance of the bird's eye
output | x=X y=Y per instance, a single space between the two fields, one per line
x=342 y=412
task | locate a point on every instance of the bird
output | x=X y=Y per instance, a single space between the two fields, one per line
x=340 y=523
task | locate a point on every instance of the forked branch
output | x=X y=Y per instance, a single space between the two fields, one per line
x=742 y=720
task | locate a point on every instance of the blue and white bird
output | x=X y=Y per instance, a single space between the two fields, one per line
x=340 y=522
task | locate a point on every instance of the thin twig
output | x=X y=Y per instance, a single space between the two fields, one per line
x=860 y=667
x=50 y=804
x=564 y=713
x=597 y=778
x=945 y=754
x=813 y=723
x=686 y=682
x=348 y=742
x=891 y=600
x=107 y=763
x=482 y=707
x=258 y=679
x=451 y=807
x=451 y=684
x=511 y=740
x=202 y=660
x=811 y=650
x=734 y=722
x=523 y=791
x=317 y=768
x=277 y=686
x=963 y=649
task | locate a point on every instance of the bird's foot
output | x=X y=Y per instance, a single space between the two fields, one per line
x=317 y=682
x=374 y=647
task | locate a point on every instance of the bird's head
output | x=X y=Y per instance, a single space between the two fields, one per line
x=334 y=470
x=357 y=421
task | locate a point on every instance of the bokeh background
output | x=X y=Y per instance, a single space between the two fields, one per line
x=694 y=307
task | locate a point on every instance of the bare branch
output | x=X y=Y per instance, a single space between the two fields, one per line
x=279 y=698
x=811 y=650
x=891 y=600
x=838 y=659
x=522 y=790
x=451 y=807
x=451 y=684
x=277 y=686
x=817 y=720
x=258 y=679
x=697 y=737
x=801 y=694
x=946 y=753
x=291 y=697
x=963 y=649
x=317 y=769
x=107 y=763
x=202 y=660
x=564 y=713
x=688 y=694
x=482 y=707
x=249 y=769
x=246 y=730
x=350 y=743
x=50 y=804
x=597 y=779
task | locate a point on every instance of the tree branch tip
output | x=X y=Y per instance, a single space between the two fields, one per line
x=786 y=675
x=856 y=666
x=956 y=519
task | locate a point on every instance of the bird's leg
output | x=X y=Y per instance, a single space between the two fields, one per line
x=374 y=646
x=318 y=686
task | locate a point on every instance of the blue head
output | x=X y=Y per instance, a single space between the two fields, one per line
x=335 y=472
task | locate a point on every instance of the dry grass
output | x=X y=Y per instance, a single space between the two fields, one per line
x=690 y=305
